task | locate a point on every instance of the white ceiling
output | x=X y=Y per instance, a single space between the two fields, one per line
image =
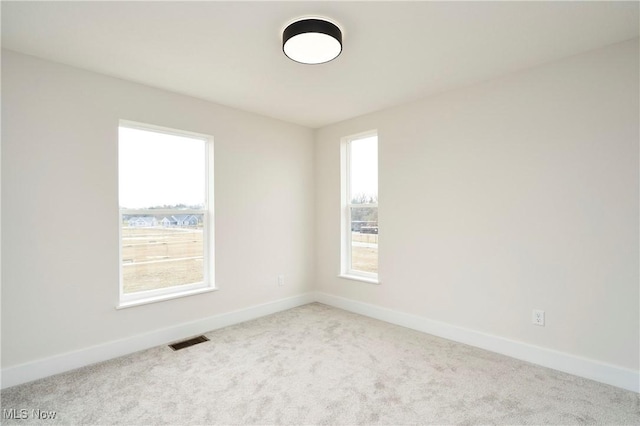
x=230 y=52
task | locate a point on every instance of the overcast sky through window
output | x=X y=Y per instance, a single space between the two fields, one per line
x=157 y=169
x=364 y=166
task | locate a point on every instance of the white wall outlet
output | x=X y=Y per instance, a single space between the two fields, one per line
x=538 y=317
x=280 y=280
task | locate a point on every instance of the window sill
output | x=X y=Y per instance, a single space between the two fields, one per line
x=155 y=299
x=359 y=278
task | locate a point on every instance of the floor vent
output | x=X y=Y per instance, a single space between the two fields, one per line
x=187 y=343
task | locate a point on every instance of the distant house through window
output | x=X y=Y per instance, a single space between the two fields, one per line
x=166 y=213
x=360 y=206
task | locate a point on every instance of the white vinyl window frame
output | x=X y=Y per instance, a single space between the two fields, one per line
x=126 y=300
x=346 y=269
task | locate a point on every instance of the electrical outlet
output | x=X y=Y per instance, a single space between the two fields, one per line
x=280 y=280
x=538 y=317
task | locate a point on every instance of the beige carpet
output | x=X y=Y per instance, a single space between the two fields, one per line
x=320 y=365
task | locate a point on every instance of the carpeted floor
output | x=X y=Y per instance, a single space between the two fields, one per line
x=320 y=365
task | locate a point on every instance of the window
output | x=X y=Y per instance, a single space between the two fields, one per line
x=166 y=221
x=360 y=207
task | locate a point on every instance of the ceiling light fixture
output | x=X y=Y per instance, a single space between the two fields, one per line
x=312 y=41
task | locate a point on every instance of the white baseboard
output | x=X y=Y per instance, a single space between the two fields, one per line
x=578 y=366
x=30 y=371
x=583 y=367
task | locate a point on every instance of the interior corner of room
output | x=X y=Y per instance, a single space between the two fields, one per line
x=511 y=194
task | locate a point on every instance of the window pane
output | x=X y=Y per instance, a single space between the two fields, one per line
x=364 y=239
x=161 y=251
x=160 y=170
x=363 y=179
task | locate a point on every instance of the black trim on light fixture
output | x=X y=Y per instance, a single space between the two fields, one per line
x=312 y=25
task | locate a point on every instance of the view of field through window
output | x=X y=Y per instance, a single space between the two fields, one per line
x=161 y=256
x=163 y=203
x=364 y=252
x=363 y=204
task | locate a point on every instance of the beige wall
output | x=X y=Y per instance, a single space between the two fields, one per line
x=60 y=217
x=516 y=194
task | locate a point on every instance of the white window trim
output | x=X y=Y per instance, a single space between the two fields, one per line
x=345 y=234
x=207 y=212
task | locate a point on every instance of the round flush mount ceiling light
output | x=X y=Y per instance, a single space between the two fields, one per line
x=312 y=41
